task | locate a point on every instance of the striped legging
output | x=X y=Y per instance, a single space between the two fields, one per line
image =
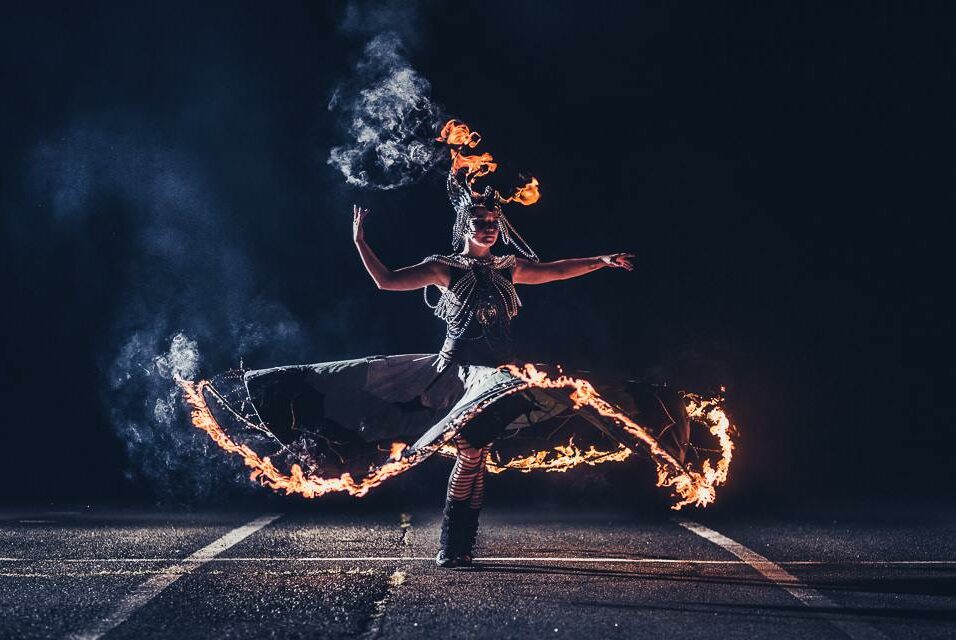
x=467 y=481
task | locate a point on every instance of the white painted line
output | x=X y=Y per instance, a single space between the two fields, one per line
x=786 y=581
x=156 y=584
x=591 y=559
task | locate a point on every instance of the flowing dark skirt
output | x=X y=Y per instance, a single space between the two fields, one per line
x=374 y=417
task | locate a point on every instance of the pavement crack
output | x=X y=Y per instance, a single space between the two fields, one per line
x=379 y=608
x=405 y=524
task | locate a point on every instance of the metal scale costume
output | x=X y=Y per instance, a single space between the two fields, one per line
x=478 y=307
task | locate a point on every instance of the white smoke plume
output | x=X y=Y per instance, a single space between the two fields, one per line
x=390 y=118
x=180 y=361
x=161 y=445
x=184 y=286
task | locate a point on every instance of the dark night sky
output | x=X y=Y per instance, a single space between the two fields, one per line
x=783 y=172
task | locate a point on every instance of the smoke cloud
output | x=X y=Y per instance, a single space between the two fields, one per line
x=184 y=303
x=187 y=299
x=390 y=119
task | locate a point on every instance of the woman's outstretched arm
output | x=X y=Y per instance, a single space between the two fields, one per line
x=527 y=272
x=404 y=279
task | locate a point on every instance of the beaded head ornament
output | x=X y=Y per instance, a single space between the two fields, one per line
x=464 y=170
x=464 y=201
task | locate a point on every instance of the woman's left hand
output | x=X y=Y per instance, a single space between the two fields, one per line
x=619 y=260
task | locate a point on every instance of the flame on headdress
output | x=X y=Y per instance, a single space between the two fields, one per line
x=465 y=169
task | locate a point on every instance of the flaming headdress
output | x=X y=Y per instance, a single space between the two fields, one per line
x=464 y=171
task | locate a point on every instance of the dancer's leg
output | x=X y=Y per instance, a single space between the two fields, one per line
x=477 y=496
x=469 y=467
x=456 y=539
x=466 y=486
x=470 y=520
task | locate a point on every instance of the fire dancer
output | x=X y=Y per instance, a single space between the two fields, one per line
x=328 y=422
x=478 y=302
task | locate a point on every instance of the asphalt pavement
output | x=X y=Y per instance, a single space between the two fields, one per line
x=331 y=573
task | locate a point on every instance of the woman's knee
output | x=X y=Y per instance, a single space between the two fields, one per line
x=470 y=454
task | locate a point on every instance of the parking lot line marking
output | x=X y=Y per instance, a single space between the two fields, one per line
x=581 y=559
x=156 y=584
x=786 y=581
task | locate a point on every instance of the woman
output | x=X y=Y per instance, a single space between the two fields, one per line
x=478 y=334
x=330 y=423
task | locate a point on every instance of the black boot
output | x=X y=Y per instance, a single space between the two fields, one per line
x=453 y=527
x=469 y=534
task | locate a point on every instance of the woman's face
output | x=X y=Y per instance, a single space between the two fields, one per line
x=483 y=226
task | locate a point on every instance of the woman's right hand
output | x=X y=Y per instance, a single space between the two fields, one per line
x=358 y=219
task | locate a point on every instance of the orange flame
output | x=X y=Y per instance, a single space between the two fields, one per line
x=693 y=487
x=297 y=481
x=456 y=133
x=264 y=472
x=526 y=195
x=395 y=453
x=561 y=458
x=475 y=166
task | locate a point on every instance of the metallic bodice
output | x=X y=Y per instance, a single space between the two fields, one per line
x=477 y=306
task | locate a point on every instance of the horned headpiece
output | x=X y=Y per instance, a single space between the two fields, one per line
x=461 y=177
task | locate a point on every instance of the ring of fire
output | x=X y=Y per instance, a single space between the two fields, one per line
x=690 y=486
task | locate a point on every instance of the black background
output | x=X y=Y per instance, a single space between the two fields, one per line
x=783 y=172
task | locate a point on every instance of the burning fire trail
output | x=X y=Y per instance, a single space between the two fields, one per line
x=560 y=458
x=458 y=135
x=264 y=472
x=697 y=487
x=297 y=481
x=693 y=486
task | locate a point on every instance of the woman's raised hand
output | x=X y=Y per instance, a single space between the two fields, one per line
x=622 y=260
x=358 y=219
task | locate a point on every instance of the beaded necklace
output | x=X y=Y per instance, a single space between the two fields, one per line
x=457 y=305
